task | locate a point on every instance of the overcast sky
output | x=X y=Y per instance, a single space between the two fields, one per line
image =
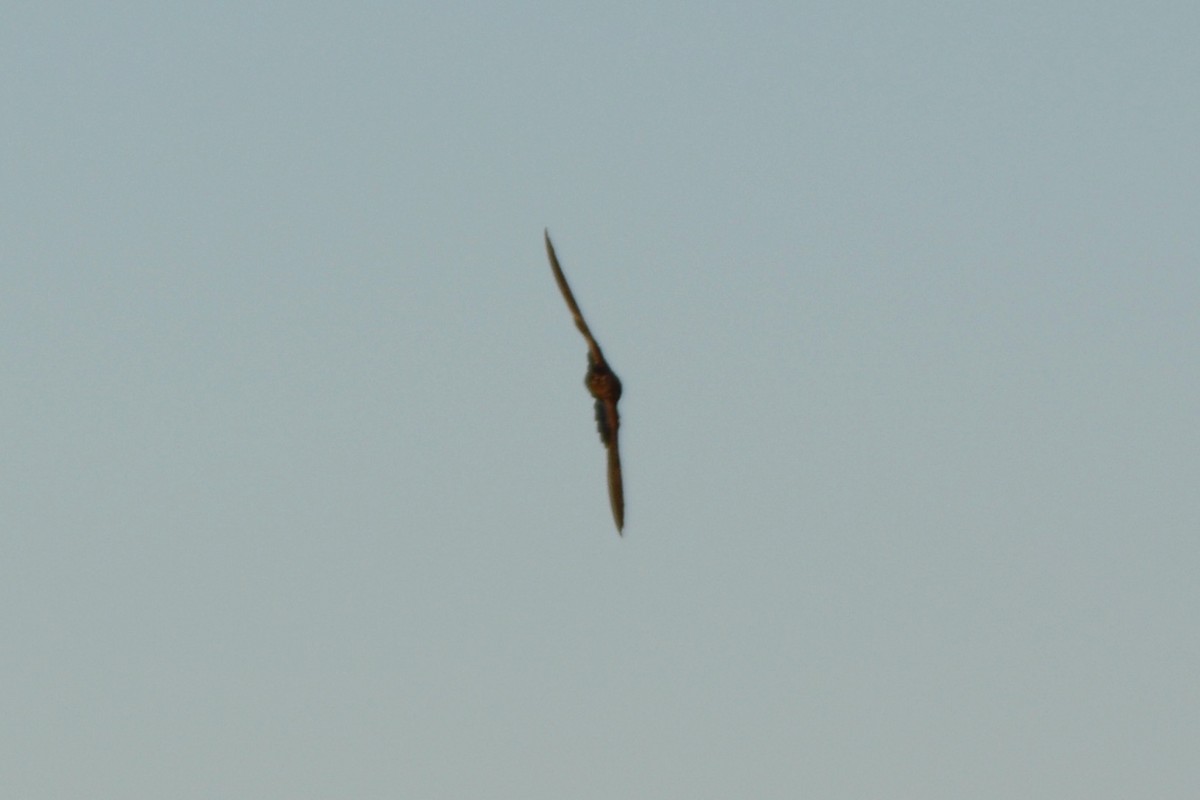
x=301 y=495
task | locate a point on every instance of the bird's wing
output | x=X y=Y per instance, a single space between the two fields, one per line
x=616 y=494
x=561 y=279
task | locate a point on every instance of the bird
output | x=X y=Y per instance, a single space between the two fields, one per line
x=604 y=385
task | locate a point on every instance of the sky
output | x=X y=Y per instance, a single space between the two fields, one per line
x=301 y=495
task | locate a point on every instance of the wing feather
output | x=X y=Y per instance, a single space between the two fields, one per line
x=563 y=287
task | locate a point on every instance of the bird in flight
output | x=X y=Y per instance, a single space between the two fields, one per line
x=604 y=386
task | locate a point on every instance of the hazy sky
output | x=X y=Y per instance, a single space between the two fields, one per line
x=301 y=493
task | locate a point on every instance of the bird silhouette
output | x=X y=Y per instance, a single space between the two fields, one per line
x=604 y=386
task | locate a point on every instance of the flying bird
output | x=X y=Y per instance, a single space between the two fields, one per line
x=604 y=386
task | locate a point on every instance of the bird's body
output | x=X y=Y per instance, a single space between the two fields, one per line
x=604 y=385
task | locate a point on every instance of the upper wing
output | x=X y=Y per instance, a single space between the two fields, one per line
x=561 y=279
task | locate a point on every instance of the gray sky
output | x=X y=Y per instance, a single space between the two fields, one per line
x=301 y=492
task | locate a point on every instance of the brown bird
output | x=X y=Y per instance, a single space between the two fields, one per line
x=604 y=385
